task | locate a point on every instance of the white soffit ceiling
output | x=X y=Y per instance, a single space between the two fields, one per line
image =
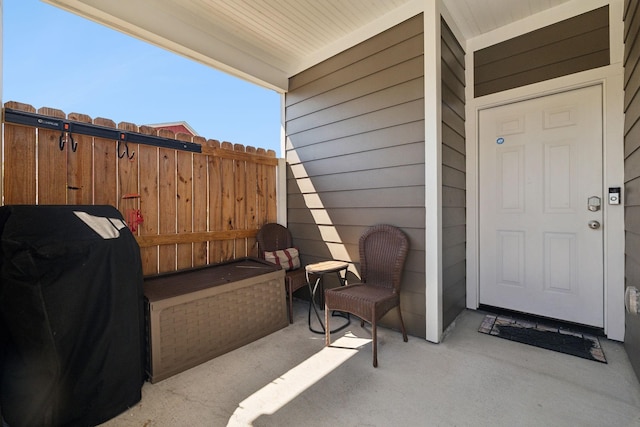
x=268 y=41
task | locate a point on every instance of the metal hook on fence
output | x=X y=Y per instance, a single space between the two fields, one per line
x=63 y=138
x=125 y=152
x=61 y=141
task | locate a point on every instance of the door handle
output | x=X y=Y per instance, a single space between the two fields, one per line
x=594 y=225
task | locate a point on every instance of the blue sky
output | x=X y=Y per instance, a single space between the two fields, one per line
x=53 y=58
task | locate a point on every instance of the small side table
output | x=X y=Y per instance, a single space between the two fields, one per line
x=319 y=270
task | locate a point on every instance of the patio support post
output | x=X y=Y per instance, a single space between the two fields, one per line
x=433 y=171
x=281 y=172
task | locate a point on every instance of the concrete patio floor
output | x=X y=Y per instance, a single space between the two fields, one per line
x=290 y=379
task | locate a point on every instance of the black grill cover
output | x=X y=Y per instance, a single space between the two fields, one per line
x=71 y=316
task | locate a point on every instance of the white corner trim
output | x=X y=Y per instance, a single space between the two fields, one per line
x=281 y=192
x=614 y=238
x=433 y=173
x=471 y=150
x=281 y=172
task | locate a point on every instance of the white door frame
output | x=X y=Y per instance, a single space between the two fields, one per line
x=613 y=176
x=611 y=79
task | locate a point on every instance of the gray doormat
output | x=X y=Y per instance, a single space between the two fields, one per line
x=544 y=336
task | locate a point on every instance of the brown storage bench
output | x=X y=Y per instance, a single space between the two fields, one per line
x=196 y=315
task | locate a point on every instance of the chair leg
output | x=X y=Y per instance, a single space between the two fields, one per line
x=327 y=329
x=374 y=332
x=404 y=331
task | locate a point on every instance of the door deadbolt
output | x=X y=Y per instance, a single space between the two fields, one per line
x=593 y=203
x=594 y=225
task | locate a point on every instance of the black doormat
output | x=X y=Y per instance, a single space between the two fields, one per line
x=544 y=336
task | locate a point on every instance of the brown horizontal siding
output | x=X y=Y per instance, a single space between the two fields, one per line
x=355 y=152
x=597 y=18
x=366 y=104
x=453 y=101
x=452 y=53
x=632 y=116
x=454 y=87
x=309 y=232
x=454 y=140
x=570 y=46
x=379 y=159
x=632 y=140
x=452 y=255
x=453 y=216
x=453 y=177
x=534 y=75
x=413 y=319
x=632 y=86
x=375 y=178
x=453 y=273
x=455 y=234
x=404 y=217
x=411 y=111
x=631 y=214
x=632 y=171
x=344 y=83
x=410 y=68
x=452 y=302
x=631 y=192
x=389 y=39
x=452 y=159
x=631 y=57
x=402 y=133
x=452 y=197
x=409 y=197
x=632 y=25
x=544 y=56
x=452 y=120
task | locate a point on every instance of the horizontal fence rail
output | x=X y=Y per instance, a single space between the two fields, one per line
x=190 y=201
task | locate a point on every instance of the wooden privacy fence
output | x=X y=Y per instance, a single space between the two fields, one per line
x=197 y=208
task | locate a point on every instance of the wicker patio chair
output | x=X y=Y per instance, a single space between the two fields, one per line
x=383 y=251
x=275 y=237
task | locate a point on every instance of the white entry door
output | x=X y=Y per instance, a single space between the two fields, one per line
x=540 y=184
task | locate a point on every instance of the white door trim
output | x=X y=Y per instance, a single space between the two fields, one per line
x=611 y=80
